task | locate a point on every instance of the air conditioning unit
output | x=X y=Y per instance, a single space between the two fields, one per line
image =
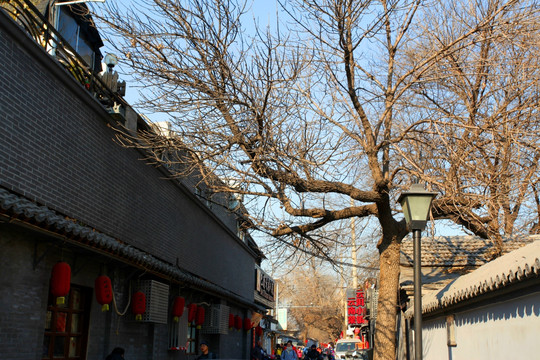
x=157 y=301
x=216 y=320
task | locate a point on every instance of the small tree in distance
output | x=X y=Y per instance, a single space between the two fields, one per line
x=314 y=302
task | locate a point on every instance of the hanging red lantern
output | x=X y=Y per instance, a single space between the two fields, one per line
x=104 y=293
x=238 y=322
x=247 y=324
x=231 y=321
x=138 y=304
x=199 y=319
x=192 y=311
x=259 y=330
x=178 y=308
x=60 y=281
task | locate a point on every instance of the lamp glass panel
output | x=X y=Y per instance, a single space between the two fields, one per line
x=419 y=206
x=406 y=211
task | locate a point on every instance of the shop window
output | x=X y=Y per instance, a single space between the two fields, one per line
x=66 y=326
x=182 y=336
x=193 y=340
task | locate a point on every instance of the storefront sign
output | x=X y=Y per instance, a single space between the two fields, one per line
x=356 y=309
x=265 y=285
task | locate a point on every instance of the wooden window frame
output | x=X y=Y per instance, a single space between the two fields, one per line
x=51 y=332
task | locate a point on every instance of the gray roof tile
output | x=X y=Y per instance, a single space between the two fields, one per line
x=459 y=251
x=514 y=267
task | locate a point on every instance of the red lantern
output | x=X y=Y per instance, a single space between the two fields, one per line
x=199 y=320
x=192 y=311
x=178 y=308
x=237 y=322
x=104 y=293
x=259 y=330
x=138 y=304
x=60 y=281
x=247 y=324
x=231 y=321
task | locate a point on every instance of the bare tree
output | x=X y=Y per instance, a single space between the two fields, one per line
x=313 y=301
x=480 y=101
x=319 y=112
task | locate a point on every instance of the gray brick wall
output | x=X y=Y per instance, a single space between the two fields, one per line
x=27 y=259
x=57 y=148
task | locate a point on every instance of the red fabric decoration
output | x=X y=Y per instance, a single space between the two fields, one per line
x=60 y=281
x=138 y=304
x=231 y=321
x=199 y=319
x=247 y=324
x=192 y=311
x=259 y=330
x=104 y=293
x=178 y=308
x=237 y=322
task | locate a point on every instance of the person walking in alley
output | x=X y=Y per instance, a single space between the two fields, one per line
x=205 y=352
x=288 y=353
x=278 y=351
x=257 y=353
x=313 y=353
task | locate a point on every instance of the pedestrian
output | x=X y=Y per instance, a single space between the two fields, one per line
x=288 y=353
x=328 y=354
x=205 y=351
x=313 y=353
x=278 y=351
x=116 y=354
x=257 y=352
x=304 y=352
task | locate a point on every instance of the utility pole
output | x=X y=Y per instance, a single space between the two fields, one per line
x=353 y=255
x=343 y=295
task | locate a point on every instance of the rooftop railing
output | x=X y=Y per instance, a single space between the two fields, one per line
x=44 y=34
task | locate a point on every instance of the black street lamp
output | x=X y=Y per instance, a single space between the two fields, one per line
x=416 y=204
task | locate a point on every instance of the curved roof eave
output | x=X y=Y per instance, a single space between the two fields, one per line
x=41 y=216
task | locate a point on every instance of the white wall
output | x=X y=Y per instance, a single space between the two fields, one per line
x=503 y=330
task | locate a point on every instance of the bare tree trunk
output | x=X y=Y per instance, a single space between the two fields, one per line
x=385 y=335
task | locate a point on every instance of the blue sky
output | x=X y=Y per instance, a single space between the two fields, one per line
x=262 y=11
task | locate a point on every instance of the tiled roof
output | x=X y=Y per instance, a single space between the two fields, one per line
x=514 y=267
x=459 y=251
x=18 y=207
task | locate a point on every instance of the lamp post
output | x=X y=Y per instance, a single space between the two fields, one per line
x=416 y=204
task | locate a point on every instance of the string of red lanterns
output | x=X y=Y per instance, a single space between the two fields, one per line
x=60 y=286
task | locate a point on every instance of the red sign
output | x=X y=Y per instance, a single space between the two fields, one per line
x=356 y=309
